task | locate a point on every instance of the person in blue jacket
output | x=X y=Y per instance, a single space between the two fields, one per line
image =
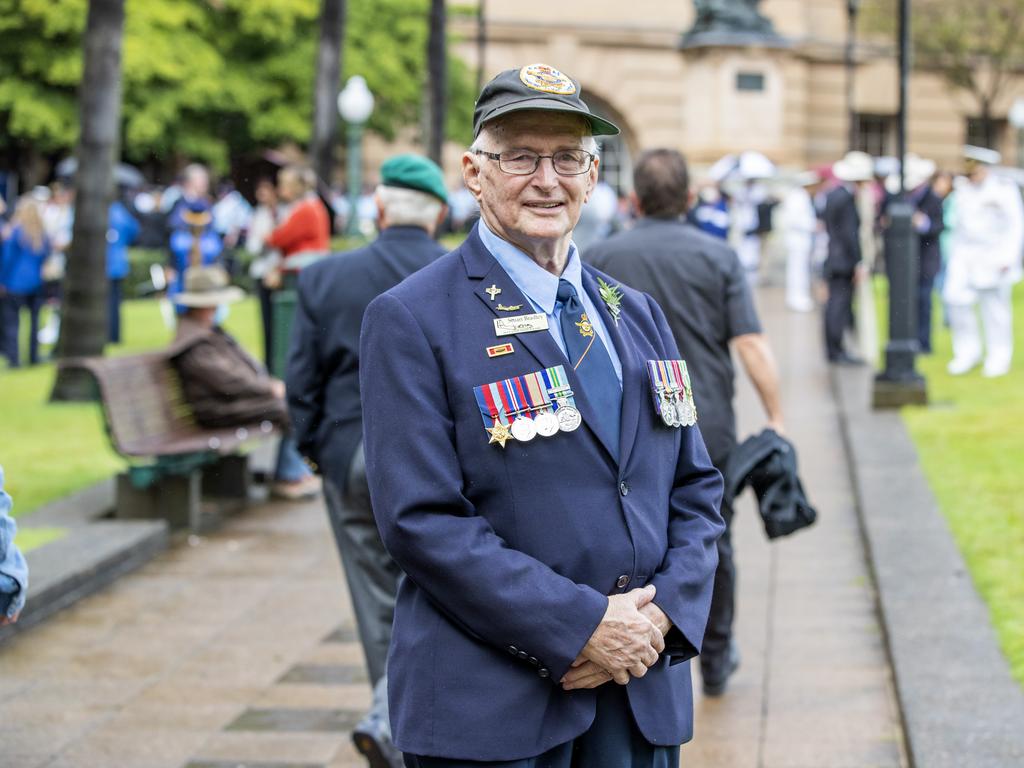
x=194 y=243
x=25 y=248
x=536 y=472
x=122 y=229
x=13 y=569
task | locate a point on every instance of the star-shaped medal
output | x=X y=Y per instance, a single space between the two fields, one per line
x=499 y=433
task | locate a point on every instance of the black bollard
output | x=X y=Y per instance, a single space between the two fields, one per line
x=900 y=384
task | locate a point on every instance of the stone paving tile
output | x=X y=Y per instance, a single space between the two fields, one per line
x=316 y=748
x=324 y=674
x=356 y=696
x=111 y=746
x=344 y=634
x=296 y=720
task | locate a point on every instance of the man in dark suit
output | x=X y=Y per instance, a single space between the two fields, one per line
x=842 y=224
x=324 y=400
x=555 y=521
x=699 y=283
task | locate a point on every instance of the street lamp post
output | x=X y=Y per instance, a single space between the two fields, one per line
x=1016 y=118
x=900 y=384
x=355 y=104
x=852 y=8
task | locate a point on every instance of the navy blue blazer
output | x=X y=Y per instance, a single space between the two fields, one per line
x=323 y=356
x=510 y=553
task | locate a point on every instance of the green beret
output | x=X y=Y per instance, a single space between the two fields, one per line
x=414 y=172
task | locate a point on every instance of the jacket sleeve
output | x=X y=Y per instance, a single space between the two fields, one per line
x=13 y=569
x=686 y=576
x=304 y=379
x=432 y=530
x=294 y=228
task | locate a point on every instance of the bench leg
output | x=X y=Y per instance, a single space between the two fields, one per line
x=174 y=498
x=228 y=478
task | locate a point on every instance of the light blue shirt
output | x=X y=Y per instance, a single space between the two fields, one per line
x=541 y=288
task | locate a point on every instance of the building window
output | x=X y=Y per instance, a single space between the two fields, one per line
x=876 y=134
x=749 y=81
x=977 y=135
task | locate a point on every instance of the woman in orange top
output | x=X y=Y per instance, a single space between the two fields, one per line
x=306 y=226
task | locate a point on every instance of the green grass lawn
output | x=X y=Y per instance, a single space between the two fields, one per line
x=53 y=449
x=970 y=443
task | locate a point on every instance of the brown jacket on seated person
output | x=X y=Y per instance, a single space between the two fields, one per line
x=224 y=385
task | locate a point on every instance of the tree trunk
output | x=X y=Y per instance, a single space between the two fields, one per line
x=84 y=324
x=437 y=79
x=325 y=93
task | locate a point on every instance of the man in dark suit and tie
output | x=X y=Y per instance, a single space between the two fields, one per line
x=324 y=401
x=535 y=473
x=842 y=224
x=701 y=285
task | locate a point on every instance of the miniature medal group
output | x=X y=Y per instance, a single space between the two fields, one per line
x=523 y=407
x=673 y=395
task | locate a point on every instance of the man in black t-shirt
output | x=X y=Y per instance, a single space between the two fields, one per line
x=700 y=284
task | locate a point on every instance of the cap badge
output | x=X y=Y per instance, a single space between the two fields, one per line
x=541 y=77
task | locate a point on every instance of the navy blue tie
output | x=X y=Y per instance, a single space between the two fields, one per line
x=593 y=366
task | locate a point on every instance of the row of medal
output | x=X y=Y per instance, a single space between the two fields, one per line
x=522 y=407
x=673 y=395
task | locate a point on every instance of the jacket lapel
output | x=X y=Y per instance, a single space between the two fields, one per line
x=482 y=267
x=632 y=368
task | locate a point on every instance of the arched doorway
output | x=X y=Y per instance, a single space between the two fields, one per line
x=616 y=151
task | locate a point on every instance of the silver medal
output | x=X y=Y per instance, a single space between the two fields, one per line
x=546 y=423
x=668 y=411
x=523 y=429
x=685 y=412
x=569 y=418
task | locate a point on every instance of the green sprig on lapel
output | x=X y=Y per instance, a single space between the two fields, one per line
x=612 y=298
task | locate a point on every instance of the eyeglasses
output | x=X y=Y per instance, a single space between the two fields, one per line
x=523 y=162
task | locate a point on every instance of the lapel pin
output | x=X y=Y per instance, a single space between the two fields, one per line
x=513 y=308
x=493 y=291
x=500 y=349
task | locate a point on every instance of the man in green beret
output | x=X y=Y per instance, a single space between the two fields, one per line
x=324 y=400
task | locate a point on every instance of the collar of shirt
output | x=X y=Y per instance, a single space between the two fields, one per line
x=539 y=285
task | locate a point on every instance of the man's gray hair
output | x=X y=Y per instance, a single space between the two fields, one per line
x=485 y=142
x=409 y=207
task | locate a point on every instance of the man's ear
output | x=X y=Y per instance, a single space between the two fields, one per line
x=471 y=174
x=592 y=178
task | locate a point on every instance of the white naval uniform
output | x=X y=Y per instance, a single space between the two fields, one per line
x=984 y=264
x=799 y=223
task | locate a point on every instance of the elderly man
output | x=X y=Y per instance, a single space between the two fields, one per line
x=984 y=264
x=535 y=473
x=323 y=397
x=700 y=283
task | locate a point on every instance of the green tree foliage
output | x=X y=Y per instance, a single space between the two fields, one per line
x=211 y=80
x=974 y=45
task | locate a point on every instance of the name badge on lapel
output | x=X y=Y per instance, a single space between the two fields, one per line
x=506 y=326
x=673 y=395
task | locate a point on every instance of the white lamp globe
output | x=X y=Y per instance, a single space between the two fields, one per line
x=355 y=102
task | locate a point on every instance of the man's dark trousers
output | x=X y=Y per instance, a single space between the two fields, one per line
x=838 y=311
x=613 y=741
x=371 y=574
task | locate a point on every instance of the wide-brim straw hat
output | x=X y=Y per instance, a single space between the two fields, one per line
x=208 y=287
x=855 y=166
x=917 y=171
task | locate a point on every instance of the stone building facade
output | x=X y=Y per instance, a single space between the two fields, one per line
x=787 y=100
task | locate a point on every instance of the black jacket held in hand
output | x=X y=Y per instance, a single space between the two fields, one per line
x=767 y=463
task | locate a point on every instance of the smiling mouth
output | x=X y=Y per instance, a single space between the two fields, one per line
x=545 y=206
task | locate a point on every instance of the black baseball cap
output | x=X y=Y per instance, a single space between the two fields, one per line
x=535 y=86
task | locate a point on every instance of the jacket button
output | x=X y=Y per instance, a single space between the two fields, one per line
x=622 y=582
x=523 y=655
x=623 y=488
x=543 y=672
x=533 y=660
x=513 y=650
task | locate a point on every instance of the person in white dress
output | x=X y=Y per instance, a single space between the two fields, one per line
x=799 y=223
x=984 y=264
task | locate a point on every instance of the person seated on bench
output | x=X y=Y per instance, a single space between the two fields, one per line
x=224 y=385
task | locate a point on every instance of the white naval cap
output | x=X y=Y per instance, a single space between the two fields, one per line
x=982 y=155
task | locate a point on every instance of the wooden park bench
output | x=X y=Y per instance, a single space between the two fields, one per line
x=173 y=461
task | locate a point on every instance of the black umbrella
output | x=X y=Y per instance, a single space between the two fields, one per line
x=125 y=175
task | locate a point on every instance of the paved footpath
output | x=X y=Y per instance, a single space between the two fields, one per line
x=237 y=649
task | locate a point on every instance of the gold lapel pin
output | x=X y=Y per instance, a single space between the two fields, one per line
x=493 y=291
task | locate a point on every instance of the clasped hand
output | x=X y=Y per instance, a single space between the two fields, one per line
x=625 y=644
